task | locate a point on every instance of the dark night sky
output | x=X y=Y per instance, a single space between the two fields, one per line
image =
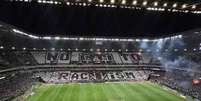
x=92 y=21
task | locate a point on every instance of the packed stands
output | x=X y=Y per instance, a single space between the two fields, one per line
x=113 y=60
x=181 y=83
x=32 y=58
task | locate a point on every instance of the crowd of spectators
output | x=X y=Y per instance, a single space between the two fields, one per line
x=18 y=82
x=15 y=84
x=181 y=81
x=93 y=76
x=13 y=58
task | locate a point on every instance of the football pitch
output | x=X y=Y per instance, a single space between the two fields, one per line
x=103 y=92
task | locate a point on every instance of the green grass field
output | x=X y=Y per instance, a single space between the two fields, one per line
x=104 y=92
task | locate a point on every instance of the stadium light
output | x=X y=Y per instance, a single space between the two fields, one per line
x=194 y=6
x=51 y=2
x=123 y=40
x=101 y=1
x=33 y=36
x=13 y=48
x=56 y=2
x=155 y=9
x=44 y=1
x=135 y=2
x=39 y=1
x=81 y=38
x=19 y=32
x=67 y=3
x=144 y=3
x=137 y=40
x=123 y=2
x=101 y=5
x=180 y=36
x=174 y=5
x=89 y=0
x=3 y=77
x=1 y=47
x=65 y=38
x=194 y=49
x=130 y=40
x=165 y=5
x=196 y=12
x=112 y=1
x=156 y=3
x=46 y=38
x=24 y=48
x=34 y=48
x=183 y=6
x=145 y=40
x=84 y=4
x=57 y=38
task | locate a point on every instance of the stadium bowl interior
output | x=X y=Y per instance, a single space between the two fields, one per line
x=99 y=67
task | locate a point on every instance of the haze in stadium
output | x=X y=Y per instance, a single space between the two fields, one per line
x=100 y=50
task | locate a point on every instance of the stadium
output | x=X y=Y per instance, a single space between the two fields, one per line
x=100 y=50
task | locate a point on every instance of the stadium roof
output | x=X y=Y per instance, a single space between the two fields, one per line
x=78 y=20
x=12 y=37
